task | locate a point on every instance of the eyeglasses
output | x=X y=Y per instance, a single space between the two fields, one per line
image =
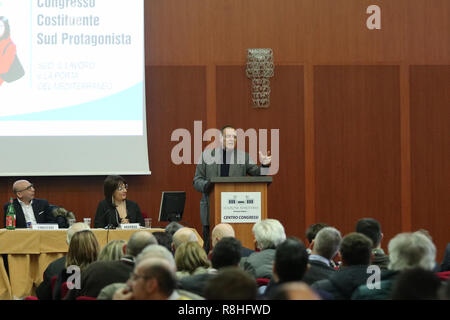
x=27 y=188
x=230 y=136
x=123 y=187
x=134 y=276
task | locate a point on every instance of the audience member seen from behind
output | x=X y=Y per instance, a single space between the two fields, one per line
x=100 y=274
x=372 y=229
x=416 y=284
x=311 y=233
x=223 y=230
x=173 y=227
x=268 y=233
x=231 y=283
x=294 y=291
x=28 y=209
x=290 y=264
x=325 y=247
x=406 y=251
x=83 y=250
x=113 y=251
x=116 y=209
x=225 y=253
x=151 y=251
x=445 y=265
x=355 y=251
x=164 y=239
x=44 y=291
x=183 y=235
x=190 y=259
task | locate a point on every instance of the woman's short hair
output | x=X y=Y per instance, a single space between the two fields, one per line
x=111 y=184
x=113 y=251
x=411 y=250
x=189 y=256
x=83 y=249
x=269 y=233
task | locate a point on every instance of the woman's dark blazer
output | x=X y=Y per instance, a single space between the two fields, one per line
x=107 y=214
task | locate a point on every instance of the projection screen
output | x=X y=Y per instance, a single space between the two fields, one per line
x=72 y=88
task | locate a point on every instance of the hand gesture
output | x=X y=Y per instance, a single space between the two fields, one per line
x=265 y=160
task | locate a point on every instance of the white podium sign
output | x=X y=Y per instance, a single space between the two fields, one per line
x=240 y=207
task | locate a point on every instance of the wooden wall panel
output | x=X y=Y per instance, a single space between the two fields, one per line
x=357 y=149
x=430 y=151
x=204 y=34
x=286 y=193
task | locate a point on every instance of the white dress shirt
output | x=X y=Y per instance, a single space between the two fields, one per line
x=28 y=212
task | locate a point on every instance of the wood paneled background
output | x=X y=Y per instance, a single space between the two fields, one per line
x=363 y=114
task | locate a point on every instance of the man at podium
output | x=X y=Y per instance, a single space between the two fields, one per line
x=225 y=161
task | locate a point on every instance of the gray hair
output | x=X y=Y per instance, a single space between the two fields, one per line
x=269 y=233
x=411 y=250
x=78 y=226
x=138 y=241
x=327 y=242
x=156 y=251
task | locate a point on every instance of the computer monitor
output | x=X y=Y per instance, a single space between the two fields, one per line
x=172 y=205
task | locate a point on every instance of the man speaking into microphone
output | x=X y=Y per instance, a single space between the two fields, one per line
x=228 y=162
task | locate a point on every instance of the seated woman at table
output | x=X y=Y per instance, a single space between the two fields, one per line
x=115 y=209
x=83 y=250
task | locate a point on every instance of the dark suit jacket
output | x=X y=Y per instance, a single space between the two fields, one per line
x=107 y=214
x=41 y=211
x=207 y=168
x=317 y=271
x=343 y=282
x=100 y=274
x=245 y=252
x=445 y=265
x=196 y=283
x=44 y=291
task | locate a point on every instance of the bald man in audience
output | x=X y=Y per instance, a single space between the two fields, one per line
x=28 y=209
x=183 y=235
x=152 y=279
x=223 y=230
x=152 y=251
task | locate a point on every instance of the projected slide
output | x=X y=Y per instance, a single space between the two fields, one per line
x=72 y=68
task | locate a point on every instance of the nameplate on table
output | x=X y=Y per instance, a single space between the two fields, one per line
x=45 y=226
x=130 y=226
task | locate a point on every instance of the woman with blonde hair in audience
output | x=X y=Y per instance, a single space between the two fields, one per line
x=83 y=250
x=191 y=259
x=113 y=251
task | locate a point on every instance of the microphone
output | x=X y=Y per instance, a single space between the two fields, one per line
x=109 y=213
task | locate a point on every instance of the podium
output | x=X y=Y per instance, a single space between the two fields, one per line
x=244 y=185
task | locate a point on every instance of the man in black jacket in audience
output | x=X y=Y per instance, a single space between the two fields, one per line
x=226 y=253
x=356 y=251
x=324 y=247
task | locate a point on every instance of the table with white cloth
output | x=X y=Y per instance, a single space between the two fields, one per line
x=29 y=252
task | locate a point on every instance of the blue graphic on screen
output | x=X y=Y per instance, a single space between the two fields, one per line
x=125 y=105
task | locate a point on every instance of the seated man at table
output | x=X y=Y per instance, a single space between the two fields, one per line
x=28 y=209
x=44 y=291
